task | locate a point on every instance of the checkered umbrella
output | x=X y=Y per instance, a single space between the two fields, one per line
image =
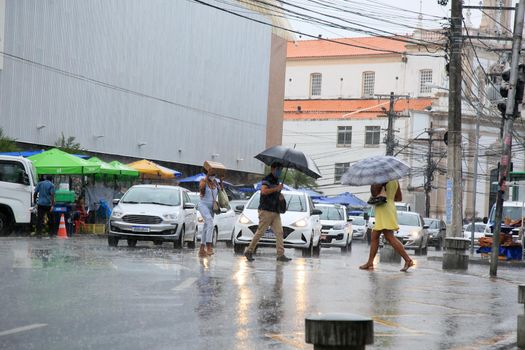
x=375 y=170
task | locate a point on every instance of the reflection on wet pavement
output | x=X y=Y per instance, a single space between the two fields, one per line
x=88 y=295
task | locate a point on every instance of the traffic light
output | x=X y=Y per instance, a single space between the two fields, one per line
x=505 y=87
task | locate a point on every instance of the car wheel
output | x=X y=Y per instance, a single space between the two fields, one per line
x=157 y=242
x=215 y=236
x=238 y=249
x=308 y=252
x=439 y=243
x=193 y=243
x=132 y=243
x=112 y=241
x=5 y=225
x=229 y=243
x=180 y=242
x=316 y=252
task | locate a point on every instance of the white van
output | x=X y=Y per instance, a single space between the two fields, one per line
x=512 y=211
x=17 y=185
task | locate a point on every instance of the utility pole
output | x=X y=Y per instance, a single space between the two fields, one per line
x=511 y=113
x=475 y=184
x=454 y=258
x=430 y=172
x=390 y=133
x=390 y=139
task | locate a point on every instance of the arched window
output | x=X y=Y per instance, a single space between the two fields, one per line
x=315 y=84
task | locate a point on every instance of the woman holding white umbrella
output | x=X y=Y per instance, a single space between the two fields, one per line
x=382 y=172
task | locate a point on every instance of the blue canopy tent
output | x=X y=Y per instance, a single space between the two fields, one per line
x=198 y=178
x=345 y=198
x=313 y=194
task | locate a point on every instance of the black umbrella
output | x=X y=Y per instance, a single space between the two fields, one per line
x=290 y=158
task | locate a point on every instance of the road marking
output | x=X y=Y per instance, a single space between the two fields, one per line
x=23 y=329
x=186 y=284
x=292 y=340
x=395 y=325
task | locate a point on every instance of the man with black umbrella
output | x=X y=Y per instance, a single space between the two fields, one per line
x=269 y=214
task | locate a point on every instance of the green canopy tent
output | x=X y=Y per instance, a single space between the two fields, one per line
x=57 y=162
x=105 y=168
x=124 y=169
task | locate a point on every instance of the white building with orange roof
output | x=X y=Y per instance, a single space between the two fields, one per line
x=333 y=113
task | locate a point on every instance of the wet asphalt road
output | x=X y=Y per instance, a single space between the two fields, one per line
x=82 y=294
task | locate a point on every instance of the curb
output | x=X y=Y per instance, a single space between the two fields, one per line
x=479 y=261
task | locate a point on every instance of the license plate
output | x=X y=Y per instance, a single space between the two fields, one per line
x=269 y=234
x=140 y=229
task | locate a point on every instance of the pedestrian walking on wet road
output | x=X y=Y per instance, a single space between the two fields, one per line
x=44 y=197
x=208 y=189
x=269 y=214
x=386 y=223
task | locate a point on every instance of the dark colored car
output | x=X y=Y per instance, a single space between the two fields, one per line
x=436 y=232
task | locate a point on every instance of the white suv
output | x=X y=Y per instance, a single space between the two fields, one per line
x=154 y=213
x=336 y=230
x=301 y=225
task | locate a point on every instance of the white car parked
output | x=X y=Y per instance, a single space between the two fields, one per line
x=358 y=227
x=336 y=229
x=412 y=231
x=154 y=213
x=223 y=223
x=301 y=225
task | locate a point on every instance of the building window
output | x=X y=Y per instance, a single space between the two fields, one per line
x=315 y=84
x=369 y=79
x=340 y=169
x=344 y=136
x=425 y=80
x=372 y=135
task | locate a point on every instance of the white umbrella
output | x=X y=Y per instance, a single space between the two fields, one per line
x=375 y=170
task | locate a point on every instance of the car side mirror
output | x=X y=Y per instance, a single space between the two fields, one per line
x=316 y=212
x=350 y=220
x=366 y=216
x=425 y=226
x=116 y=201
x=188 y=206
x=239 y=208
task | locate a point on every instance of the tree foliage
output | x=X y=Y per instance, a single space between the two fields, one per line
x=68 y=144
x=7 y=144
x=297 y=179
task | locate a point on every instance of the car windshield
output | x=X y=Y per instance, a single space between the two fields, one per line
x=359 y=221
x=513 y=213
x=433 y=224
x=294 y=202
x=331 y=213
x=477 y=228
x=152 y=195
x=407 y=219
x=194 y=198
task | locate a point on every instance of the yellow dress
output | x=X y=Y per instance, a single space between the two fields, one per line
x=386 y=214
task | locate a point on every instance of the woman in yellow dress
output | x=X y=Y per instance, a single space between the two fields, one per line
x=386 y=223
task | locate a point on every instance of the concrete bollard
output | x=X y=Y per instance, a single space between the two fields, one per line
x=521 y=318
x=455 y=257
x=388 y=254
x=339 y=331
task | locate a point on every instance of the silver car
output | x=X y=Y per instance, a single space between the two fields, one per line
x=154 y=213
x=358 y=227
x=412 y=232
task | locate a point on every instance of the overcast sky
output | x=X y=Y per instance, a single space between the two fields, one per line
x=387 y=9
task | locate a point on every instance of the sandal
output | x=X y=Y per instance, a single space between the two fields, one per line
x=408 y=264
x=366 y=266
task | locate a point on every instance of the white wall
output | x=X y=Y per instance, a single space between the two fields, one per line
x=391 y=74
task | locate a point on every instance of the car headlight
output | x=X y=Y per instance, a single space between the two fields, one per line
x=170 y=216
x=414 y=234
x=338 y=227
x=117 y=214
x=244 y=220
x=300 y=223
x=200 y=219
